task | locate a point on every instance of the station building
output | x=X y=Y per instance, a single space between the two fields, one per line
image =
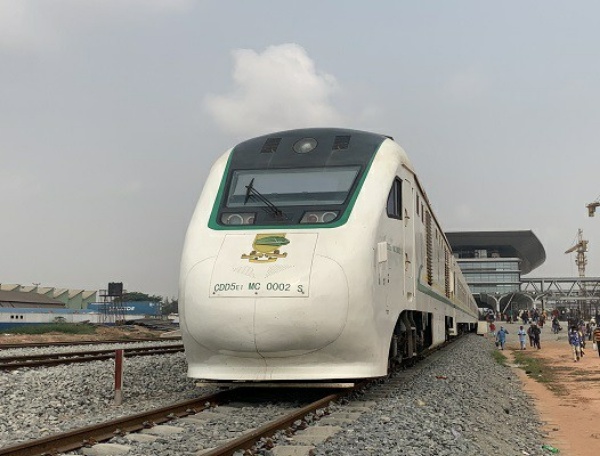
x=492 y=263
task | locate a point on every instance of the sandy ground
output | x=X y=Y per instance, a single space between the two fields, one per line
x=102 y=333
x=571 y=406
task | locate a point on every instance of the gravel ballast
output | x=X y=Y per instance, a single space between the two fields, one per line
x=458 y=402
x=462 y=402
x=43 y=401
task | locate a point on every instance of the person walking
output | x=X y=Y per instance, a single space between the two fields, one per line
x=537 y=332
x=555 y=325
x=575 y=342
x=581 y=332
x=522 y=336
x=501 y=337
x=524 y=317
x=588 y=331
x=596 y=338
x=530 y=334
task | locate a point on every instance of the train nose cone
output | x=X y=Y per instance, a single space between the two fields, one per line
x=295 y=326
x=268 y=326
x=221 y=325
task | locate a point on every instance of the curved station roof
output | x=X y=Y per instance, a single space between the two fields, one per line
x=508 y=244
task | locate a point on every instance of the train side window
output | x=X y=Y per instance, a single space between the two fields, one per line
x=418 y=204
x=394 y=202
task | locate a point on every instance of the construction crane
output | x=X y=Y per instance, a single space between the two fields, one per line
x=592 y=206
x=581 y=247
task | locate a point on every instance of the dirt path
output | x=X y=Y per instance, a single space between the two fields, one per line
x=102 y=333
x=570 y=406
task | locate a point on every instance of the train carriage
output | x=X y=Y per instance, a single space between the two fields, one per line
x=313 y=254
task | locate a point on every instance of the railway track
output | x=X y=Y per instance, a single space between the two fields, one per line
x=8 y=346
x=53 y=359
x=193 y=409
x=211 y=414
x=87 y=436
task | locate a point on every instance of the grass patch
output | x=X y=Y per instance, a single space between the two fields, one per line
x=539 y=370
x=578 y=373
x=64 y=328
x=586 y=379
x=499 y=357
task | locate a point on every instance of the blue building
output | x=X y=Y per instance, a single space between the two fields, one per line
x=147 y=308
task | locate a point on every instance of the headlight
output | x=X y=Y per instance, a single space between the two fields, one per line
x=311 y=218
x=319 y=216
x=329 y=216
x=246 y=218
x=305 y=145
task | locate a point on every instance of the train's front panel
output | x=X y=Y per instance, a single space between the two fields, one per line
x=263 y=293
x=263 y=299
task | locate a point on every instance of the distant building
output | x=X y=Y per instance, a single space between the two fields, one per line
x=146 y=308
x=19 y=299
x=493 y=262
x=76 y=299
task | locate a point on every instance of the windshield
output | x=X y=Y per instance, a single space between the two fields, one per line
x=294 y=187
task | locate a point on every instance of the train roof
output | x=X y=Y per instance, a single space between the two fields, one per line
x=307 y=147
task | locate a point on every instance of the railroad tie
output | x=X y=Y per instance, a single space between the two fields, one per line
x=162 y=430
x=314 y=435
x=106 y=449
x=297 y=450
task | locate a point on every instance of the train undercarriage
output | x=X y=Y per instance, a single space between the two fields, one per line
x=413 y=335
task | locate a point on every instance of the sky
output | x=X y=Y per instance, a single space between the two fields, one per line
x=113 y=111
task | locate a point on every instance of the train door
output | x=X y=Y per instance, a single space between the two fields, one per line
x=408 y=198
x=393 y=266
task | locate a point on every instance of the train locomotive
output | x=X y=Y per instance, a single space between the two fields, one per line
x=314 y=255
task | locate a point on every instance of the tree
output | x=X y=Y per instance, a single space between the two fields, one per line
x=138 y=296
x=170 y=307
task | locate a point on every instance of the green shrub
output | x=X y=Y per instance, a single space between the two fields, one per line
x=539 y=369
x=64 y=328
x=499 y=357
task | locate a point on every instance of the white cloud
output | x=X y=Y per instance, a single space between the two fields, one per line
x=275 y=90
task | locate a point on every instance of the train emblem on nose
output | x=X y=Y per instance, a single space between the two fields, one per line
x=265 y=248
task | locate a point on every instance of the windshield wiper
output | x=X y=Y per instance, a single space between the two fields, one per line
x=251 y=192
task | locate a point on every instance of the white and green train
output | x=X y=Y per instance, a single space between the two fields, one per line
x=314 y=255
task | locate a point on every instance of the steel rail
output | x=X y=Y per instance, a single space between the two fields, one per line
x=89 y=435
x=8 y=346
x=250 y=439
x=17 y=362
